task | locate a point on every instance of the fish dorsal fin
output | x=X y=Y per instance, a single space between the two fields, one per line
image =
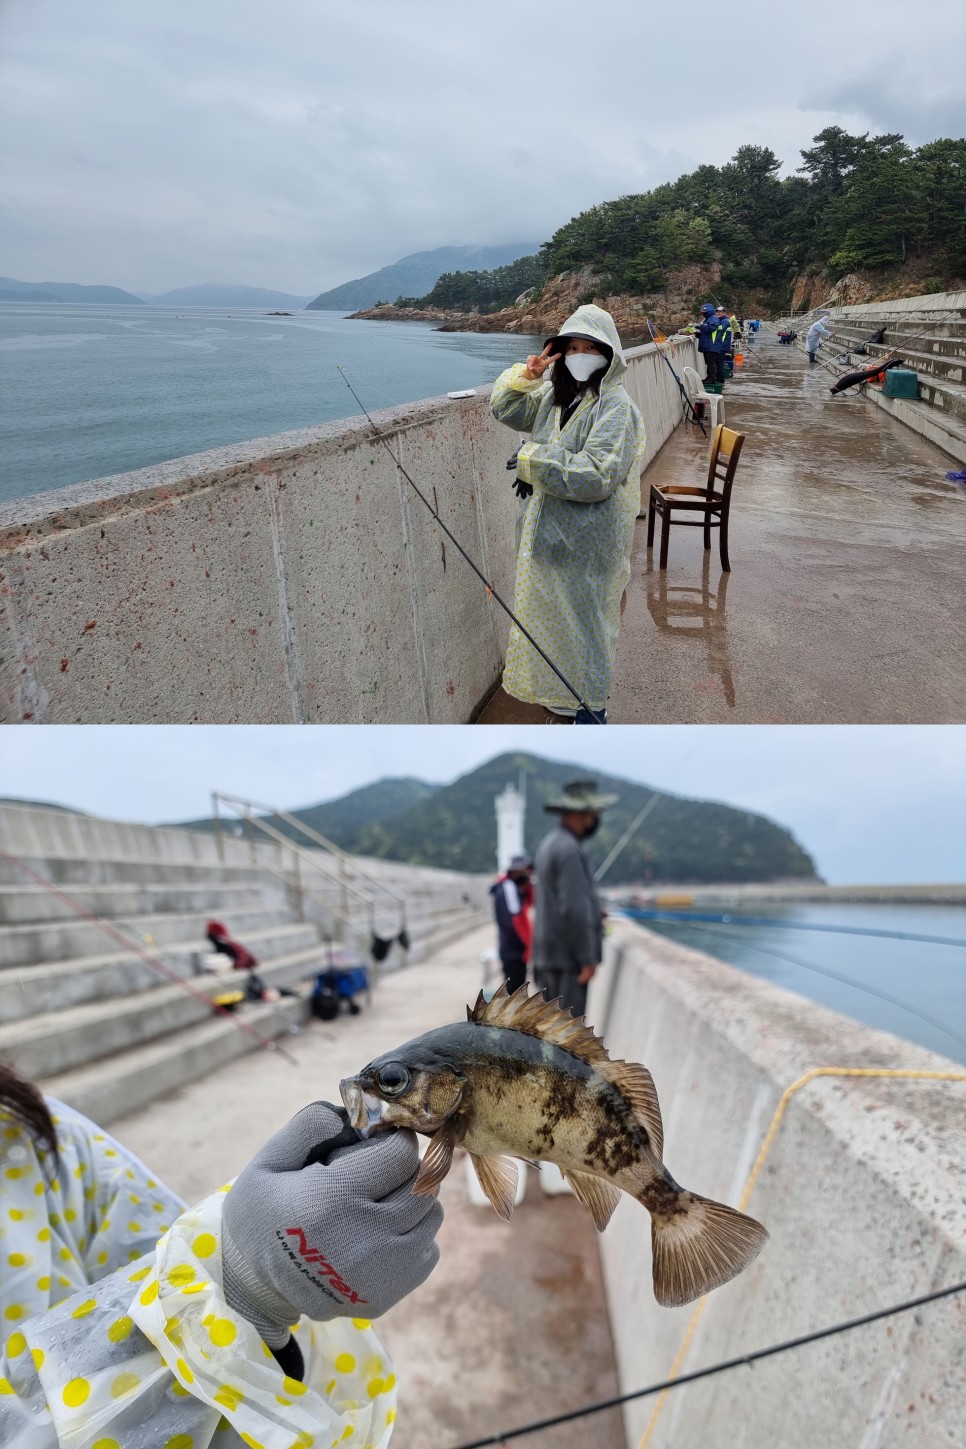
x=535 y=1016
x=600 y=1196
x=636 y=1086
x=498 y=1179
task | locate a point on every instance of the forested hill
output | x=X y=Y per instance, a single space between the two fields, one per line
x=869 y=204
x=454 y=826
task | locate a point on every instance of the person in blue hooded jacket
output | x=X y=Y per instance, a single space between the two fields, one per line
x=714 y=340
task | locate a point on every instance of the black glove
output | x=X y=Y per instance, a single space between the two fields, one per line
x=523 y=490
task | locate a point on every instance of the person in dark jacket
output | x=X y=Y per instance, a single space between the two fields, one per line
x=568 y=931
x=512 y=902
x=714 y=340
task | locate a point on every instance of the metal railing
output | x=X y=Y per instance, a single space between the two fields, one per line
x=377 y=905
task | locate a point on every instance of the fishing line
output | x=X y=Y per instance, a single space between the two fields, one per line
x=728 y=919
x=491 y=591
x=689 y=412
x=746 y=1359
x=847 y=981
x=130 y=944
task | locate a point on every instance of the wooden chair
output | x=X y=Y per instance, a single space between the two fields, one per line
x=713 y=501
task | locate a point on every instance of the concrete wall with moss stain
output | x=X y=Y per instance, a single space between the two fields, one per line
x=294 y=578
x=864 y=1194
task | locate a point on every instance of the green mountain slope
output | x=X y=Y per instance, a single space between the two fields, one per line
x=416 y=274
x=343 y=820
x=14 y=291
x=682 y=840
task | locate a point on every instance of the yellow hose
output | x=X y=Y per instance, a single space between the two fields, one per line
x=753 y=1177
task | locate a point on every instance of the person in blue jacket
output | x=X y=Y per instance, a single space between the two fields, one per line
x=714 y=340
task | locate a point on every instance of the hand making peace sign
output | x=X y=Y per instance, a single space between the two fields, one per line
x=537 y=366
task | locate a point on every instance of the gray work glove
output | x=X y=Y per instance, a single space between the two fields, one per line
x=341 y=1237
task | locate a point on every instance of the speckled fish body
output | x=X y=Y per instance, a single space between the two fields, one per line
x=522 y=1078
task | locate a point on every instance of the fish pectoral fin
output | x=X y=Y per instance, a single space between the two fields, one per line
x=438 y=1158
x=636 y=1085
x=600 y=1196
x=498 y=1179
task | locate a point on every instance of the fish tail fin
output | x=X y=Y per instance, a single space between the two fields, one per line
x=698 y=1245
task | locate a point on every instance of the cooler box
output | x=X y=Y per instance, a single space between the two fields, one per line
x=900 y=382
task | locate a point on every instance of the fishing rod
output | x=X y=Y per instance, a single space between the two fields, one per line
x=491 y=591
x=689 y=412
x=130 y=944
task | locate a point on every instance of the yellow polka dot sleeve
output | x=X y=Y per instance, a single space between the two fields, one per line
x=150 y=1353
x=517 y=400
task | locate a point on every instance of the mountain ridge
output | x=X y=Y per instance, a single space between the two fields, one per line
x=414 y=274
x=454 y=826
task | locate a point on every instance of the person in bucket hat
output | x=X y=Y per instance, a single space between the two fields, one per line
x=568 y=930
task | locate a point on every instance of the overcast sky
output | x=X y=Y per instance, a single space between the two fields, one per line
x=300 y=143
x=871 y=803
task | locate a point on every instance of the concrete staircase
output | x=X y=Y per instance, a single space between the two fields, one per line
x=931 y=340
x=98 y=1026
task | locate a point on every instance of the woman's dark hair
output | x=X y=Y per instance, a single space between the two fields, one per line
x=26 y=1105
x=565 y=385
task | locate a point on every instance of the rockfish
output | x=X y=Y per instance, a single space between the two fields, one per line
x=523 y=1078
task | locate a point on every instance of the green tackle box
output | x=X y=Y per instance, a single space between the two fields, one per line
x=900 y=382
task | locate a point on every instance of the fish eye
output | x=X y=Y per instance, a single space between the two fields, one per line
x=392 y=1079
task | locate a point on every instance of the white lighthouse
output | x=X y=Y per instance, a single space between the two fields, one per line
x=511 y=809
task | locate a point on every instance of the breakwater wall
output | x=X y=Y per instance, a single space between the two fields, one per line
x=288 y=579
x=863 y=1192
x=949 y=893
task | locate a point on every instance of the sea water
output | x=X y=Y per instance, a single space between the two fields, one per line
x=92 y=391
x=928 y=980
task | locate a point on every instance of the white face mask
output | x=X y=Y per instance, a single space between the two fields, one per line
x=583 y=365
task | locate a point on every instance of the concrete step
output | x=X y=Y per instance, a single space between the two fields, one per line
x=132 y=1079
x=68 y=870
x=939 y=365
x=943 y=396
x=60 y=1041
x=55 y=941
x=30 y=905
x=941 y=426
x=58 y=985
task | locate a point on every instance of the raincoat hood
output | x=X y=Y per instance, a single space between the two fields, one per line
x=597 y=325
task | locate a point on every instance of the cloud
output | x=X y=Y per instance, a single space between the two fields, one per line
x=306 y=144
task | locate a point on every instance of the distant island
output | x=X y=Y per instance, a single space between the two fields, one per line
x=207 y=294
x=13 y=291
x=224 y=294
x=416 y=274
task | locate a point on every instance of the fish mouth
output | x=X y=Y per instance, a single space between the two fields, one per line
x=364 y=1108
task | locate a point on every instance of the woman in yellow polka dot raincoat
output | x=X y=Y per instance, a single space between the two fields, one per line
x=575 y=531
x=129 y=1322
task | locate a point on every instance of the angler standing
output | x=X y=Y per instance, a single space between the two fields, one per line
x=512 y=902
x=714 y=340
x=813 y=338
x=579 y=485
x=568 y=934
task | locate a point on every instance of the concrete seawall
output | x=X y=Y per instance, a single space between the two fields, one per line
x=862 y=1192
x=288 y=579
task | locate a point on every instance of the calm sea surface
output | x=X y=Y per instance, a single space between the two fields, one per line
x=929 y=979
x=90 y=391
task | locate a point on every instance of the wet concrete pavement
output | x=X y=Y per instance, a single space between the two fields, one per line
x=845 y=603
x=512 y=1324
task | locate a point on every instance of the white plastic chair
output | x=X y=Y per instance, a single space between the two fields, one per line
x=694 y=388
